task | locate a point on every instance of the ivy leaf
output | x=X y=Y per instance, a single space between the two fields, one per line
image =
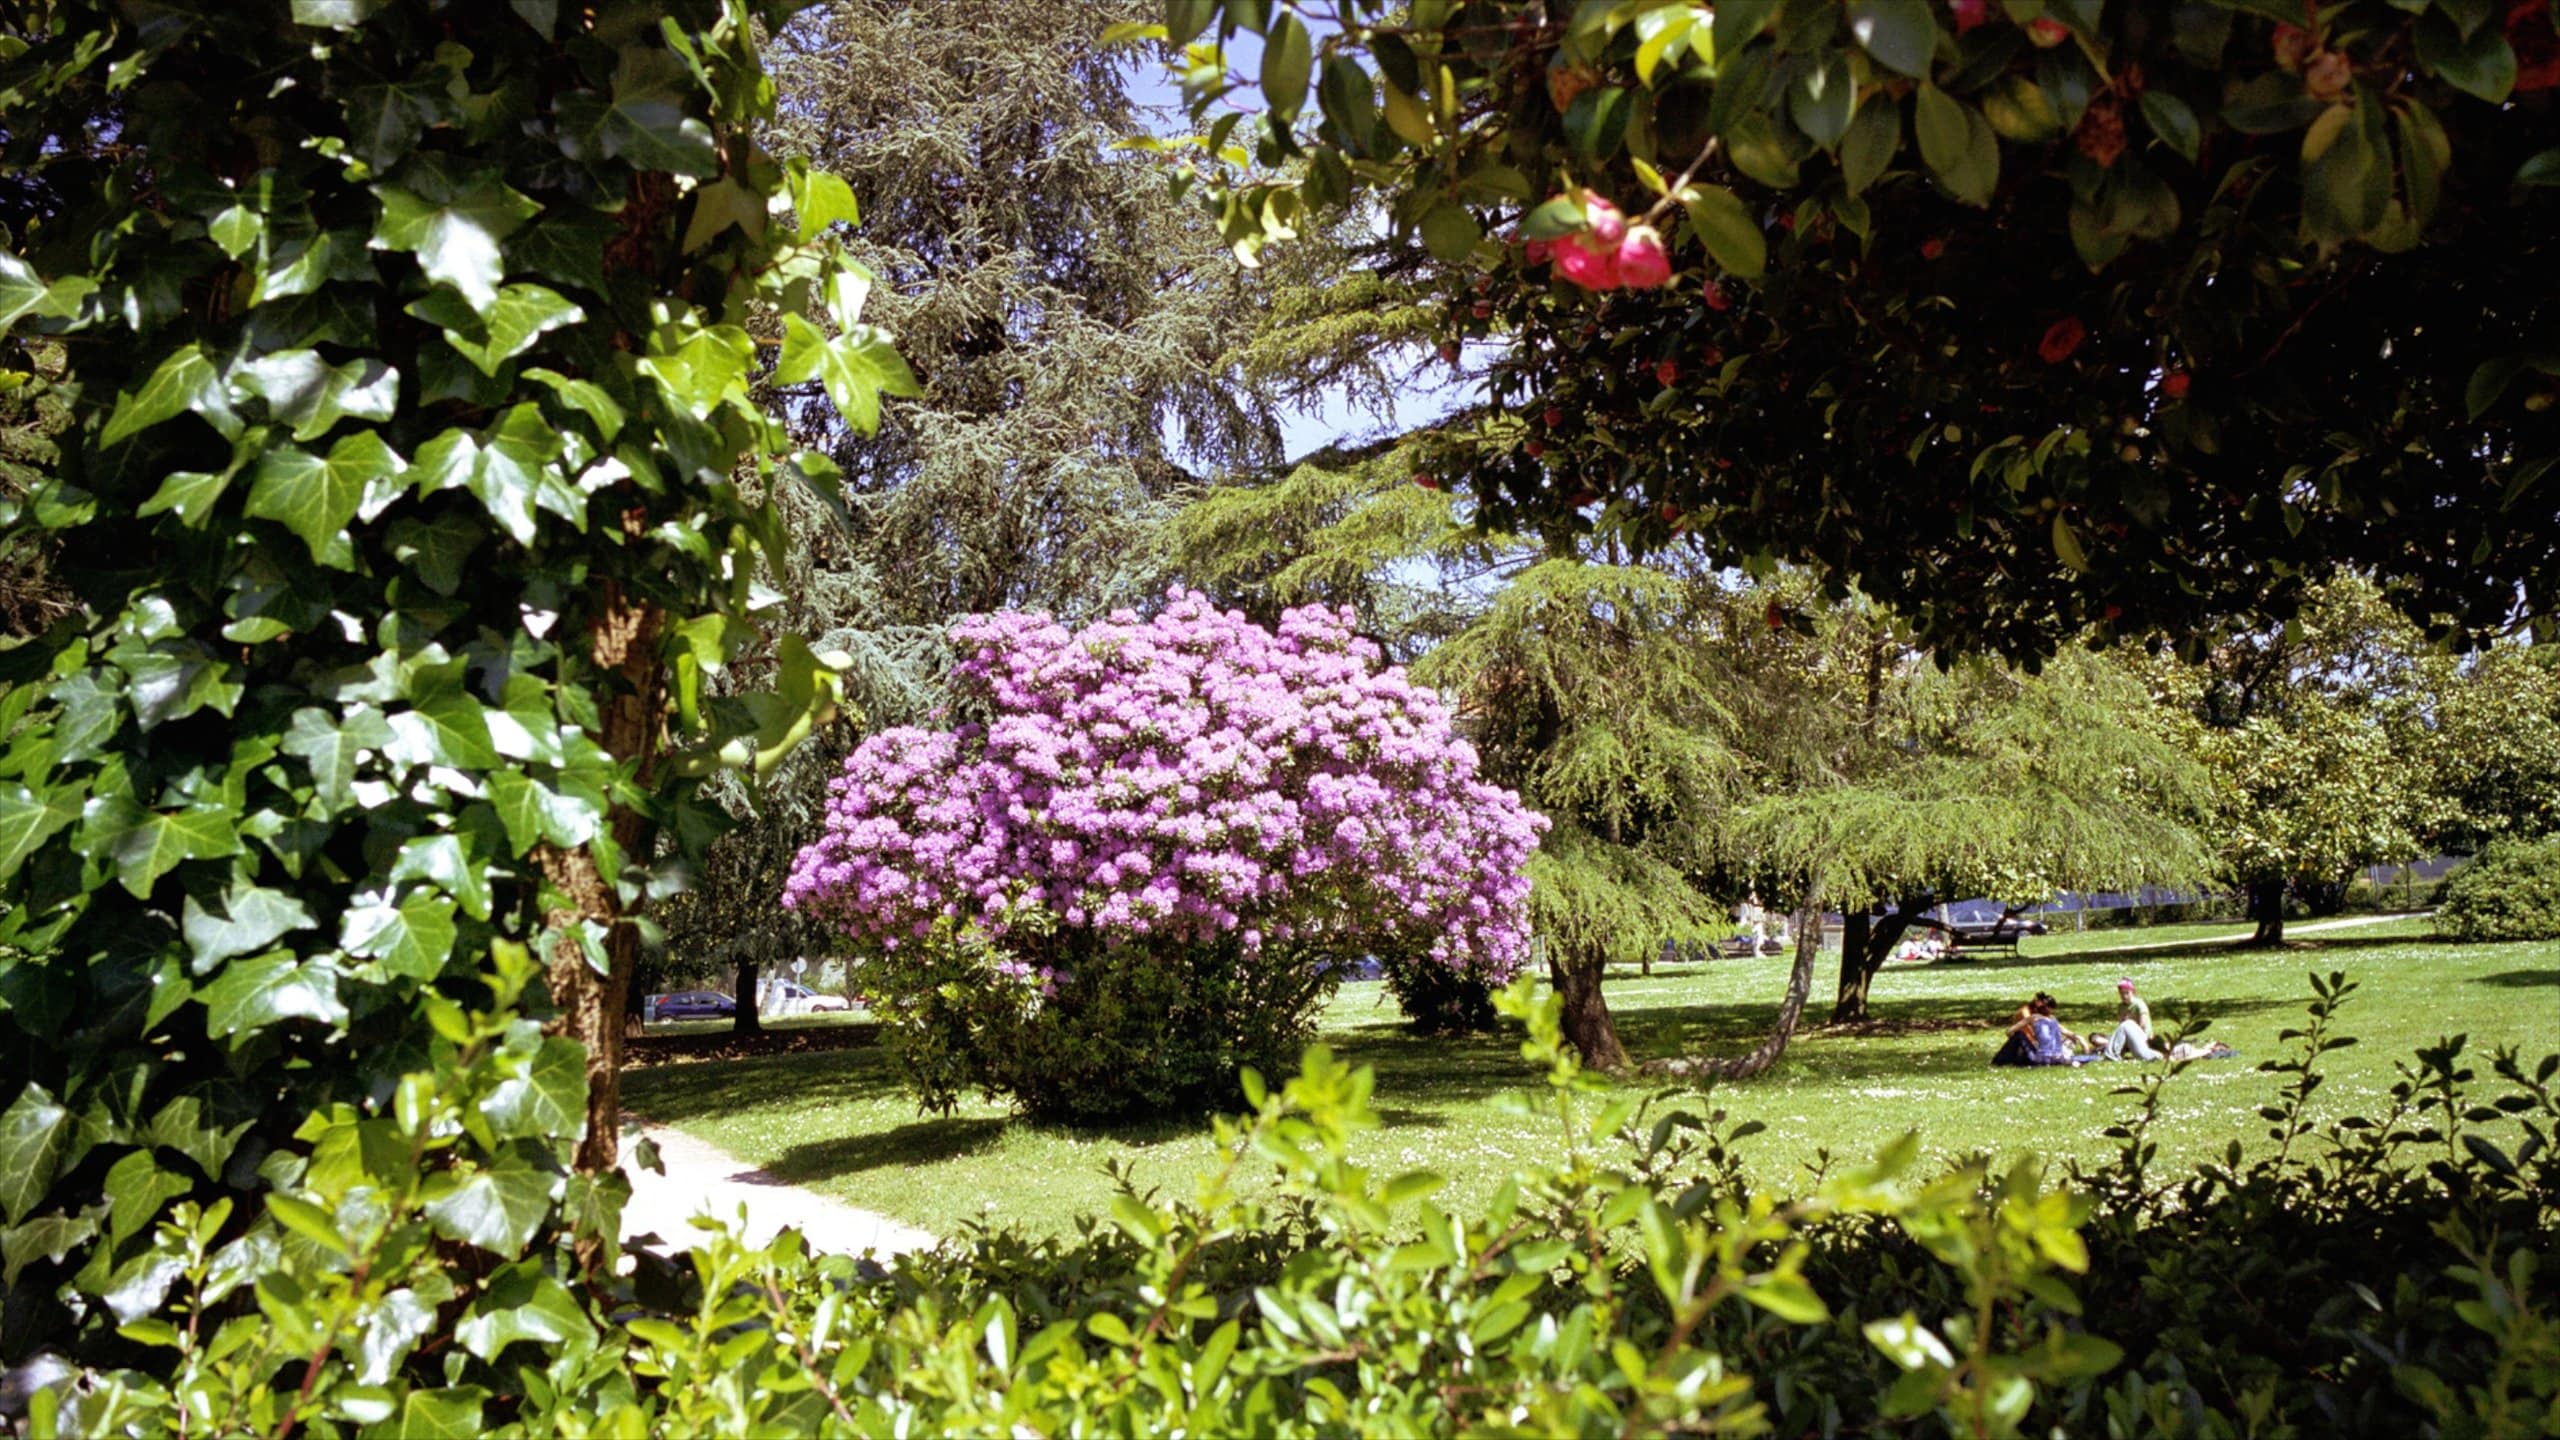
x=1727 y=230
x=41 y=1237
x=335 y=14
x=265 y=990
x=247 y=918
x=1898 y=33
x=566 y=248
x=147 y=844
x=136 y=1188
x=316 y=498
x=496 y=1206
x=22 y=291
x=439 y=860
x=188 y=493
x=310 y=394
x=332 y=747
x=534 y=812
x=436 y=548
x=822 y=200
x=504 y=329
x=31 y=1137
x=412 y=939
x=447 y=730
x=29 y=818
x=183 y=382
x=525 y=1304
x=507 y=473
x=857 y=368
x=548 y=1099
x=701 y=366
x=644 y=124
x=453 y=1412
x=456 y=241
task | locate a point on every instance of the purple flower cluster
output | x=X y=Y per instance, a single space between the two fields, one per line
x=1180 y=779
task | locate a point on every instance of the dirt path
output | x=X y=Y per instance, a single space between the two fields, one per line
x=2314 y=928
x=703 y=1178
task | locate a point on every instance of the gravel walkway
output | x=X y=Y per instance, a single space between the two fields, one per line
x=702 y=1178
x=2290 y=930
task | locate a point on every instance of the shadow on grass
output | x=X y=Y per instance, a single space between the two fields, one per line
x=675 y=1094
x=922 y=1142
x=2139 y=952
x=2520 y=979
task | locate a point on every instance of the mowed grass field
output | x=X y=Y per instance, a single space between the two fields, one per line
x=840 y=1123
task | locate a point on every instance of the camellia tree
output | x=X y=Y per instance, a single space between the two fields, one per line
x=2025 y=317
x=1149 y=853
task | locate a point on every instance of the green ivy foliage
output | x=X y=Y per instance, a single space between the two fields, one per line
x=413 y=493
x=2022 y=316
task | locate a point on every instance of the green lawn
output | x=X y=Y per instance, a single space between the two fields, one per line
x=838 y=1121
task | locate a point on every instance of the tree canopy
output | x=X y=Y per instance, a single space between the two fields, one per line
x=2026 y=318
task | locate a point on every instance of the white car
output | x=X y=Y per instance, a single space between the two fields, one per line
x=792 y=998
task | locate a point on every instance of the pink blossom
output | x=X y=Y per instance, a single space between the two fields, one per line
x=1642 y=265
x=1584 y=266
x=1608 y=226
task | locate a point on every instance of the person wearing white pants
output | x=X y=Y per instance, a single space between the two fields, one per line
x=2133 y=1025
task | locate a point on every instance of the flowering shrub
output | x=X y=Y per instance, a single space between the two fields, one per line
x=1183 y=816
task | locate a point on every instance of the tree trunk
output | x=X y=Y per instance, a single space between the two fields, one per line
x=1859 y=964
x=1587 y=1025
x=1808 y=926
x=622 y=638
x=2266 y=906
x=748 y=1020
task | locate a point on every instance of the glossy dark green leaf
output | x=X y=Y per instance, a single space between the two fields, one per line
x=1899 y=34
x=32 y=1131
x=317 y=497
x=184 y=382
x=29 y=818
x=2541 y=169
x=440 y=861
x=648 y=121
x=332 y=747
x=456 y=241
x=413 y=939
x=1821 y=101
x=496 y=1206
x=1288 y=57
x=1449 y=232
x=147 y=844
x=1728 y=230
x=264 y=990
x=137 y=1188
x=549 y=1098
x=1875 y=132
x=2172 y=121
x=244 y=919
x=2482 y=64
x=490 y=336
x=450 y=1413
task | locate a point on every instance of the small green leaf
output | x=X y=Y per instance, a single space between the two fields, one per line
x=857 y=368
x=2482 y=65
x=647 y=123
x=1789 y=1298
x=2172 y=121
x=332 y=747
x=29 y=818
x=244 y=919
x=183 y=382
x=548 y=1100
x=822 y=199
x=1900 y=34
x=2067 y=545
x=1875 y=132
x=147 y=844
x=456 y=242
x=1821 y=101
x=266 y=990
x=311 y=395
x=436 y=548
x=491 y=336
x=316 y=498
x=1726 y=228
x=32 y=1133
x=413 y=939
x=1288 y=56
x=1449 y=232
x=2541 y=169
x=496 y=1207
x=1554 y=219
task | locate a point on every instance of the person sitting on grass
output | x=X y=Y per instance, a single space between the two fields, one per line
x=2036 y=1038
x=2018 y=1047
x=2066 y=1046
x=2133 y=1025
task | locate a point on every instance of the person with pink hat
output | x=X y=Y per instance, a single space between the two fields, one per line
x=2133 y=1025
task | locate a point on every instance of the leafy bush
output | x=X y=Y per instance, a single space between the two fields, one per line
x=2373 y=1278
x=2511 y=892
x=1122 y=879
x=413 y=484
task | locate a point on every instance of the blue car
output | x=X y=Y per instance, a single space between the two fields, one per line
x=692 y=1005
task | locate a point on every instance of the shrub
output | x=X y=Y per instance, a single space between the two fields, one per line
x=2511 y=892
x=1123 y=878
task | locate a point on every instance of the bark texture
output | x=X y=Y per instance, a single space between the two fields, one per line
x=1808 y=928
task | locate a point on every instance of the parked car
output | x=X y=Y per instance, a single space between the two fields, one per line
x=792 y=998
x=691 y=1005
x=1983 y=921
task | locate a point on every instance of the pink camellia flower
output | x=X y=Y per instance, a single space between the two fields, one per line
x=2061 y=338
x=1538 y=252
x=1969 y=13
x=2048 y=32
x=1590 y=268
x=1607 y=225
x=1642 y=265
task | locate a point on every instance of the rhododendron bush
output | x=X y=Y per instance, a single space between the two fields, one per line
x=1140 y=862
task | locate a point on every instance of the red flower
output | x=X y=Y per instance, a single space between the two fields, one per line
x=1425 y=481
x=1539 y=252
x=2531 y=34
x=1666 y=371
x=1932 y=248
x=1534 y=447
x=2061 y=338
x=1969 y=13
x=2048 y=32
x=1591 y=269
x=1608 y=226
x=1715 y=297
x=2175 y=383
x=1642 y=265
x=1554 y=417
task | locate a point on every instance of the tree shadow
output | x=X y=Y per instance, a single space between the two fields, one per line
x=677 y=1093
x=2520 y=979
x=921 y=1142
x=2141 y=952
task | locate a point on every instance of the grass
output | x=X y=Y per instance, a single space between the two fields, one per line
x=839 y=1122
